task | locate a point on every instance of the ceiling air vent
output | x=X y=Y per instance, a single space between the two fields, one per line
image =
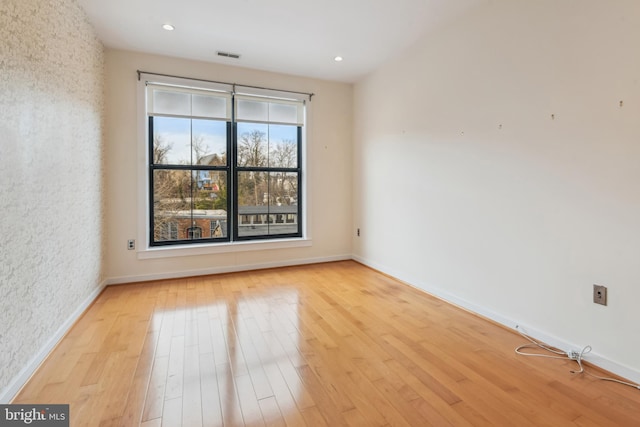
x=229 y=55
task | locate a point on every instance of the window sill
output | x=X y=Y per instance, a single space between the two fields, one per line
x=219 y=248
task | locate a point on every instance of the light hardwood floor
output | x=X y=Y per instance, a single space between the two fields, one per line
x=322 y=345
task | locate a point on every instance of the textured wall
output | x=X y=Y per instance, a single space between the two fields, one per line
x=51 y=79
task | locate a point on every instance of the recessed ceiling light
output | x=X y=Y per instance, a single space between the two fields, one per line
x=338 y=58
x=168 y=27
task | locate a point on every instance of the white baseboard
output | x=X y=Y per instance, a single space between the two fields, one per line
x=225 y=269
x=593 y=358
x=10 y=391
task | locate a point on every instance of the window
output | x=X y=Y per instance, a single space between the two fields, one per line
x=194 y=232
x=172 y=230
x=189 y=134
x=267 y=167
x=225 y=162
x=168 y=230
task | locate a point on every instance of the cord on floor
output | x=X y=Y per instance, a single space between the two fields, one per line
x=559 y=354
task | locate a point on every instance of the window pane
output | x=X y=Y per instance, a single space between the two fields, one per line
x=171 y=141
x=209 y=142
x=283 y=188
x=253 y=148
x=267 y=203
x=253 y=200
x=171 y=204
x=253 y=189
x=283 y=146
x=189 y=205
x=209 y=204
x=210 y=189
x=167 y=102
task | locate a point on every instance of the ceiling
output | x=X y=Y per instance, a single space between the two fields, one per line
x=300 y=37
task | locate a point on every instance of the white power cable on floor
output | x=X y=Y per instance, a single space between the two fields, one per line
x=559 y=354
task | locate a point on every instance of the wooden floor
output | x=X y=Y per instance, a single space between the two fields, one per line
x=322 y=345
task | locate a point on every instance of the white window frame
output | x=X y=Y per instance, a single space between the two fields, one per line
x=145 y=250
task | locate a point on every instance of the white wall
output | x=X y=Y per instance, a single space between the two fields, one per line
x=466 y=187
x=329 y=169
x=51 y=76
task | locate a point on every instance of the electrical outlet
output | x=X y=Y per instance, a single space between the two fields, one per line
x=600 y=294
x=131 y=244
